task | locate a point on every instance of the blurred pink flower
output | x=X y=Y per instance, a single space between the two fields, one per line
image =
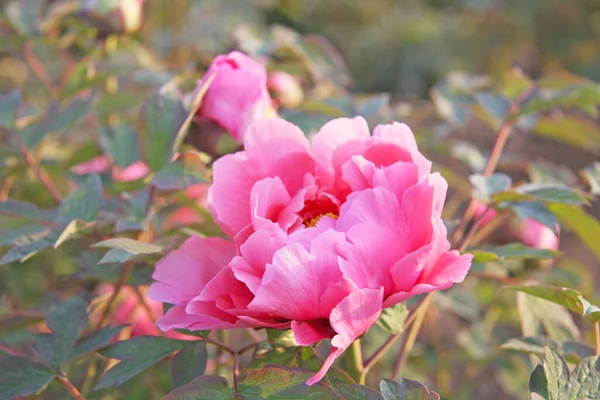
x=530 y=232
x=323 y=238
x=120 y=15
x=286 y=89
x=130 y=311
x=102 y=164
x=238 y=94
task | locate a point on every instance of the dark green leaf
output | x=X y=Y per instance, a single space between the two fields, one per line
x=121 y=142
x=566 y=297
x=25 y=251
x=552 y=193
x=519 y=251
x=136 y=355
x=161 y=117
x=536 y=344
x=9 y=106
x=392 y=318
x=126 y=249
x=20 y=208
x=585 y=380
x=73 y=230
x=485 y=187
x=203 y=388
x=495 y=106
x=66 y=321
x=188 y=364
x=97 y=340
x=22 y=377
x=282 y=383
x=405 y=390
x=536 y=211
x=184 y=172
x=538 y=383
x=351 y=391
x=84 y=203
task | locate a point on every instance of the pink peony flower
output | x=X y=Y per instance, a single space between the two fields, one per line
x=530 y=232
x=325 y=234
x=285 y=88
x=238 y=94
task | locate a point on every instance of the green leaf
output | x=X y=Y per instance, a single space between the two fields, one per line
x=406 y=390
x=539 y=316
x=132 y=246
x=136 y=355
x=73 y=230
x=494 y=105
x=518 y=251
x=25 y=251
x=281 y=383
x=392 y=318
x=536 y=211
x=56 y=120
x=161 y=117
x=121 y=142
x=84 y=203
x=485 y=187
x=572 y=130
x=591 y=174
x=203 y=388
x=585 y=380
x=97 y=340
x=480 y=257
x=19 y=208
x=456 y=108
x=23 y=234
x=184 y=172
x=281 y=338
x=188 y=364
x=9 y=105
x=551 y=380
x=20 y=376
x=569 y=298
x=66 y=321
x=351 y=391
x=552 y=193
x=586 y=226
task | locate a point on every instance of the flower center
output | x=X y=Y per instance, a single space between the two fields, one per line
x=312 y=222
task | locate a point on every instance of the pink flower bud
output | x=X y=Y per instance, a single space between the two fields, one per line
x=286 y=89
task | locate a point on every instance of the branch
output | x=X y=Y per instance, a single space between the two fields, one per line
x=70 y=387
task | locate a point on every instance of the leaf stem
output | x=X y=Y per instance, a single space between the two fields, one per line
x=63 y=380
x=113 y=297
x=38 y=69
x=354 y=361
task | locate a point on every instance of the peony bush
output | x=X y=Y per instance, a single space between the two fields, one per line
x=223 y=215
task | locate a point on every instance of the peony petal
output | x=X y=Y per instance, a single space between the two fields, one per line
x=133 y=172
x=182 y=274
x=402 y=136
x=311 y=332
x=378 y=206
x=177 y=318
x=99 y=165
x=352 y=317
x=329 y=137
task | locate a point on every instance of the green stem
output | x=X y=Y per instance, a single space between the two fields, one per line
x=354 y=362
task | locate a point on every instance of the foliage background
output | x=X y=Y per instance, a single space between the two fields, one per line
x=451 y=68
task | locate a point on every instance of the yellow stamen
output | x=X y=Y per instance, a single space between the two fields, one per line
x=313 y=222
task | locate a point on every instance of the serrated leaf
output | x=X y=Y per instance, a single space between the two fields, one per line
x=485 y=187
x=203 y=388
x=536 y=344
x=66 y=321
x=9 y=105
x=566 y=297
x=586 y=226
x=406 y=390
x=392 y=318
x=188 y=364
x=160 y=119
x=539 y=316
x=519 y=251
x=184 y=172
x=136 y=355
x=20 y=376
x=84 y=203
x=55 y=121
x=281 y=383
x=585 y=380
x=97 y=340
